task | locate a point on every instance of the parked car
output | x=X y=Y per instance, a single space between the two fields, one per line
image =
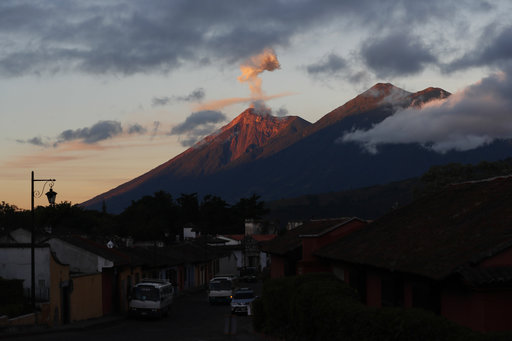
x=248 y=274
x=242 y=300
x=151 y=297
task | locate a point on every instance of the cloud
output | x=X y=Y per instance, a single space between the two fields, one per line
x=136 y=129
x=493 y=48
x=98 y=132
x=330 y=65
x=128 y=37
x=198 y=125
x=102 y=130
x=397 y=54
x=36 y=141
x=195 y=96
x=468 y=119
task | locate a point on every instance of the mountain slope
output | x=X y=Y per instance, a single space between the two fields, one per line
x=247 y=137
x=284 y=157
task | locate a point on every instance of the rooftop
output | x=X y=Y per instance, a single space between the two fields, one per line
x=436 y=235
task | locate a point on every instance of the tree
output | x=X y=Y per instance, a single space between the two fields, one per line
x=214 y=215
x=248 y=208
x=150 y=218
x=189 y=209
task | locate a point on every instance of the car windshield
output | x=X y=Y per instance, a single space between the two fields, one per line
x=146 y=293
x=243 y=295
x=220 y=285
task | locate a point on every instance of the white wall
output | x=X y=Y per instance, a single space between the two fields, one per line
x=79 y=260
x=229 y=264
x=15 y=263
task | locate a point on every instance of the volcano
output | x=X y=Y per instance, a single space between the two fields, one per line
x=281 y=157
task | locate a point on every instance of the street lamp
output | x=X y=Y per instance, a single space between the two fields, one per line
x=51 y=195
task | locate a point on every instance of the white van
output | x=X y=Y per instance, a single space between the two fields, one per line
x=151 y=297
x=220 y=290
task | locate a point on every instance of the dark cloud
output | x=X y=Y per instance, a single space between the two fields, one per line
x=103 y=130
x=198 y=125
x=136 y=129
x=127 y=37
x=468 y=119
x=330 y=65
x=100 y=131
x=36 y=141
x=160 y=101
x=195 y=96
x=397 y=54
x=493 y=48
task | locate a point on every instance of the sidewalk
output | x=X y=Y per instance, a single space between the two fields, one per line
x=28 y=330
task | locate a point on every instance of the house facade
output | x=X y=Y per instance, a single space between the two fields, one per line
x=51 y=279
x=293 y=252
x=449 y=252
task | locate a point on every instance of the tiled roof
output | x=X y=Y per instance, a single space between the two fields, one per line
x=487 y=277
x=291 y=240
x=436 y=234
x=112 y=254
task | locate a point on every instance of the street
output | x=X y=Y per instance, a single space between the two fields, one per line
x=191 y=318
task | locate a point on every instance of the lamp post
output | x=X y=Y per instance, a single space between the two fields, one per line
x=51 y=195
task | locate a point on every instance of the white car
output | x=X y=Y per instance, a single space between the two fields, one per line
x=242 y=300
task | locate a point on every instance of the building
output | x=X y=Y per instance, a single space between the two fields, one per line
x=293 y=252
x=53 y=286
x=449 y=252
x=86 y=258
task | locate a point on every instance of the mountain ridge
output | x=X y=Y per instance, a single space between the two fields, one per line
x=276 y=157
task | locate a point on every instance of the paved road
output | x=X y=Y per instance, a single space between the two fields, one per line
x=192 y=318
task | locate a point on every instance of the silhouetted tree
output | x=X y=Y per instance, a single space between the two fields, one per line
x=150 y=218
x=214 y=215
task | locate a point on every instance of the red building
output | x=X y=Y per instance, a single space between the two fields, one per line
x=293 y=252
x=449 y=252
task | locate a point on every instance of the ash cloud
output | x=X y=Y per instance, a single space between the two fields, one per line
x=198 y=125
x=468 y=119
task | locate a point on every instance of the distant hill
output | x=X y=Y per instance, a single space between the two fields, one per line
x=375 y=201
x=283 y=157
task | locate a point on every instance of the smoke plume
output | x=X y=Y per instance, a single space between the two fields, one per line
x=251 y=69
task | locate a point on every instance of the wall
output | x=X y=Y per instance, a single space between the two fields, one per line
x=15 y=263
x=79 y=259
x=373 y=289
x=59 y=274
x=228 y=264
x=277 y=266
x=126 y=280
x=86 y=297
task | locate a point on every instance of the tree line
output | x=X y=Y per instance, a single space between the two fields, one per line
x=157 y=216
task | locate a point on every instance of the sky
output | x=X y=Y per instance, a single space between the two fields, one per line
x=95 y=93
